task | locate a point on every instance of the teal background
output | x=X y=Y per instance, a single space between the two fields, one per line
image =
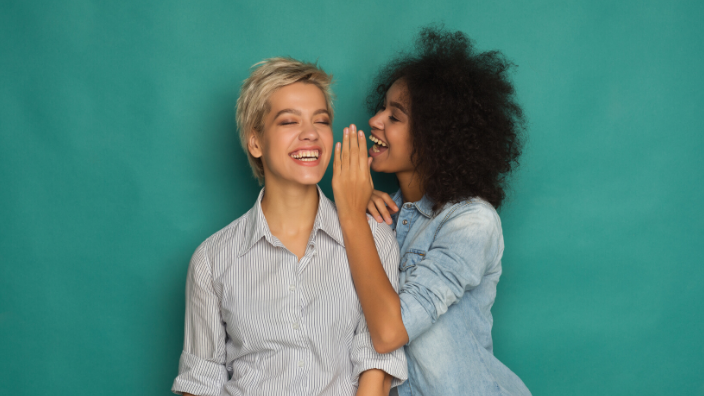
x=119 y=155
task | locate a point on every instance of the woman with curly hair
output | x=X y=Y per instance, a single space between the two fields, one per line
x=447 y=124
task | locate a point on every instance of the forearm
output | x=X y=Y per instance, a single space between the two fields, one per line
x=374 y=382
x=379 y=300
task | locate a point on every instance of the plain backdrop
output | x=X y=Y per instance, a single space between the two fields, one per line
x=119 y=155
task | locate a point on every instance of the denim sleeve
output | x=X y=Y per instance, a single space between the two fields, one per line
x=202 y=368
x=364 y=357
x=466 y=245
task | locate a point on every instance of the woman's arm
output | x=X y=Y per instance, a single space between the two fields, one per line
x=352 y=187
x=380 y=303
x=374 y=383
x=202 y=364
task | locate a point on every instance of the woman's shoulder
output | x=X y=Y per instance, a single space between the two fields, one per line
x=380 y=230
x=473 y=207
x=470 y=227
x=470 y=213
x=233 y=236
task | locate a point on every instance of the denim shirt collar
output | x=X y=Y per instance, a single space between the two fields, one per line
x=424 y=206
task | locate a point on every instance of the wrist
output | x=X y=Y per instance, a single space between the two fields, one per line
x=349 y=219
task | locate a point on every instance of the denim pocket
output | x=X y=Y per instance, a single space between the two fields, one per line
x=411 y=258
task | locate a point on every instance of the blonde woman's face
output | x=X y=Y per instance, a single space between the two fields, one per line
x=296 y=143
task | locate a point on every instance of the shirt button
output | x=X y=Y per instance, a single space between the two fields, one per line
x=405 y=222
x=296 y=326
x=407 y=206
x=292 y=288
x=301 y=363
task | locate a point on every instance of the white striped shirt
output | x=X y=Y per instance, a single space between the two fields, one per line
x=261 y=322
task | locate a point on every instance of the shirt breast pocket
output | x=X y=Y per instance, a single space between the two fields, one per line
x=411 y=258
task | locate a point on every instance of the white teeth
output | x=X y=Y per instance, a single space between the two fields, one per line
x=306 y=155
x=377 y=141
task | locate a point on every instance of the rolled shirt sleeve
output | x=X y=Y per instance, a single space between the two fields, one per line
x=202 y=368
x=465 y=247
x=364 y=356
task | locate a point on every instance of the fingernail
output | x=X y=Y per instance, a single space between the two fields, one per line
x=346 y=131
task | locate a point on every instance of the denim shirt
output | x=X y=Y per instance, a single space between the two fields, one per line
x=450 y=265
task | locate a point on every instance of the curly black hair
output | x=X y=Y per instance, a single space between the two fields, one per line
x=466 y=126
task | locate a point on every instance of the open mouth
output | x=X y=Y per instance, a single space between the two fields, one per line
x=379 y=145
x=305 y=155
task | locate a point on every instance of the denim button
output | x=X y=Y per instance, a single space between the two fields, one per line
x=405 y=222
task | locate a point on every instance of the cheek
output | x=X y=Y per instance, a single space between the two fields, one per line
x=327 y=140
x=402 y=144
x=270 y=149
x=275 y=150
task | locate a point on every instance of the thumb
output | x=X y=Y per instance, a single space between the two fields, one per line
x=369 y=164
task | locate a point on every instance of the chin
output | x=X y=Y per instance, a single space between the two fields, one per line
x=309 y=180
x=377 y=167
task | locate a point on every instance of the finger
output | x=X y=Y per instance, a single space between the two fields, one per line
x=369 y=164
x=345 y=154
x=371 y=208
x=389 y=202
x=354 y=148
x=336 y=162
x=382 y=209
x=363 y=154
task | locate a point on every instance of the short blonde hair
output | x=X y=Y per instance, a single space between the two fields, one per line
x=268 y=76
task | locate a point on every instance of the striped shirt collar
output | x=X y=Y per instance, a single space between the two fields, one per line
x=257 y=228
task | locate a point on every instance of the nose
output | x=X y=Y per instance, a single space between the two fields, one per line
x=376 y=121
x=309 y=132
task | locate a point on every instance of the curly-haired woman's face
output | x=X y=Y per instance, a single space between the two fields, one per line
x=391 y=133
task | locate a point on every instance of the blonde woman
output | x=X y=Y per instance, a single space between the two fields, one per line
x=271 y=308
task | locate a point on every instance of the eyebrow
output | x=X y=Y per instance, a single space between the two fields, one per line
x=298 y=113
x=398 y=106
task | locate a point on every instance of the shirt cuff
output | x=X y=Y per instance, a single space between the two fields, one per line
x=415 y=316
x=198 y=376
x=364 y=358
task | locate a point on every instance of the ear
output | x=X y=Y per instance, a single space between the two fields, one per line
x=254 y=145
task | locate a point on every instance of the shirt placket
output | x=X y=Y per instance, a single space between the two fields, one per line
x=404 y=222
x=304 y=359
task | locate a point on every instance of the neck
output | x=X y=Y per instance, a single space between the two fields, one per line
x=410 y=185
x=289 y=208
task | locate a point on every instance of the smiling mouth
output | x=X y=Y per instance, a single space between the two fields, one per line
x=305 y=155
x=378 y=144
